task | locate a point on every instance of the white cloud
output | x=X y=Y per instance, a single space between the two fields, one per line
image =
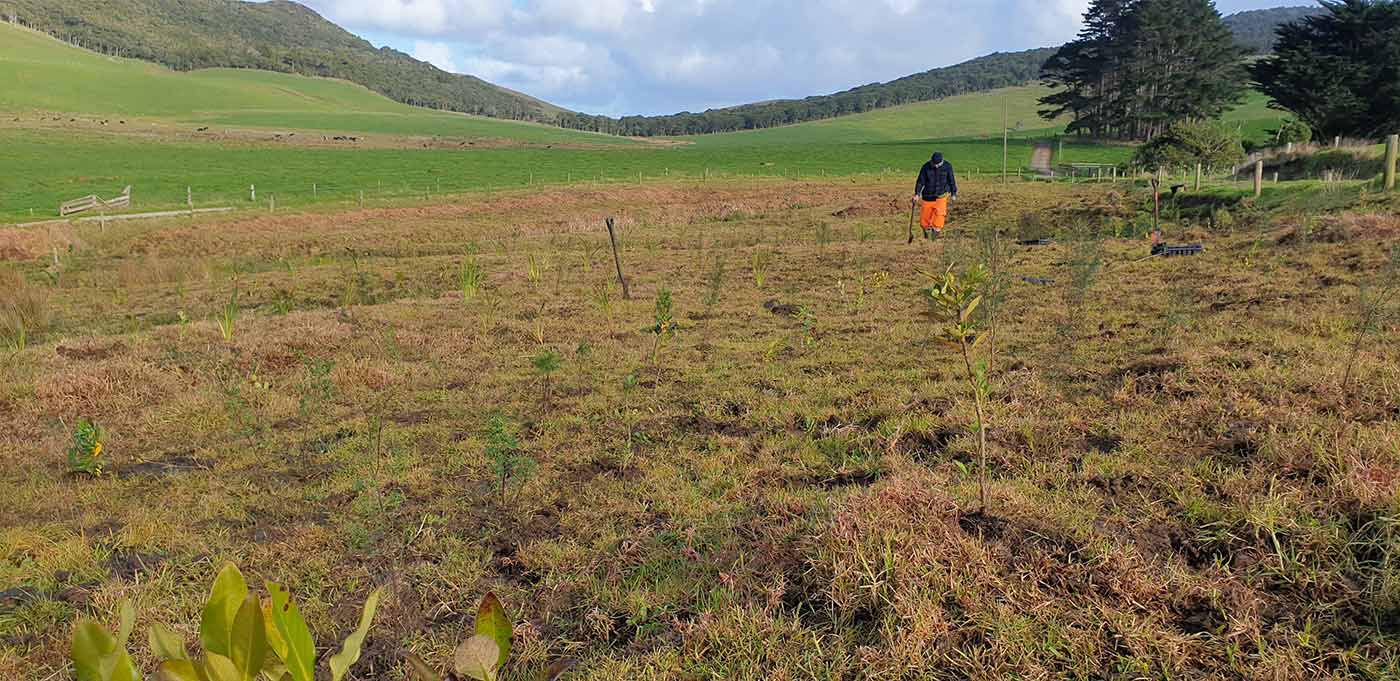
x=437 y=54
x=661 y=56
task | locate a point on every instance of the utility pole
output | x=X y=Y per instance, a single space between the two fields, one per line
x=1005 y=139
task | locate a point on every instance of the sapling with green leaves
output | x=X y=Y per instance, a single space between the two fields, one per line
x=664 y=325
x=1374 y=308
x=508 y=462
x=996 y=256
x=85 y=454
x=955 y=298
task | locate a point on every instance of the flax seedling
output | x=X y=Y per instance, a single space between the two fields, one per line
x=547 y=363
x=508 y=463
x=955 y=299
x=469 y=278
x=85 y=454
x=534 y=269
x=1374 y=309
x=760 y=268
x=228 y=316
x=603 y=300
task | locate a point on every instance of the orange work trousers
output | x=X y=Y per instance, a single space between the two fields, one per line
x=934 y=214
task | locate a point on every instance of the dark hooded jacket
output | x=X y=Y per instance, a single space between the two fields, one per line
x=936 y=179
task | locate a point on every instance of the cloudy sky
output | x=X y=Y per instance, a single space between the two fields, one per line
x=662 y=56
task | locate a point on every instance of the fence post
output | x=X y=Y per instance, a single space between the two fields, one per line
x=1258 y=179
x=313 y=190
x=253 y=193
x=1198 y=176
x=1392 y=149
x=272 y=203
x=1337 y=142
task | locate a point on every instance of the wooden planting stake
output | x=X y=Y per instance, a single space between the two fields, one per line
x=617 y=260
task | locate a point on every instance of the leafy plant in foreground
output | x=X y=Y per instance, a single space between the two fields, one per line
x=955 y=300
x=100 y=655
x=483 y=655
x=85 y=456
x=244 y=639
x=508 y=463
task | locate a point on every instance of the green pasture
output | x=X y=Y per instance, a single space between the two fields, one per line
x=43 y=167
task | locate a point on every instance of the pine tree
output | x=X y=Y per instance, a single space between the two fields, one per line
x=1140 y=65
x=1340 y=71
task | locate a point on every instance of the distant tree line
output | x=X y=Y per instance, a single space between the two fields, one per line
x=1139 y=66
x=1256 y=30
x=272 y=36
x=986 y=73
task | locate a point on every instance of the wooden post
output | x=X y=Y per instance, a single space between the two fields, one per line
x=1156 y=210
x=1198 y=177
x=313 y=190
x=253 y=193
x=1005 y=140
x=617 y=260
x=1392 y=149
x=1275 y=177
x=272 y=203
x=1258 y=179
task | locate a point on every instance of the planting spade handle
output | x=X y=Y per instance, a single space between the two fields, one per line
x=617 y=260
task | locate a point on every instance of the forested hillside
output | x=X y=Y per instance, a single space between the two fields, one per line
x=274 y=36
x=985 y=73
x=1256 y=30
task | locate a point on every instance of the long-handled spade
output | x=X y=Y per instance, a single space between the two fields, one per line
x=911 y=223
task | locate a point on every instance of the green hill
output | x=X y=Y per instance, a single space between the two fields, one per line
x=277 y=36
x=45 y=75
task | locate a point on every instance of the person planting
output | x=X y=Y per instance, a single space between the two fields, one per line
x=936 y=187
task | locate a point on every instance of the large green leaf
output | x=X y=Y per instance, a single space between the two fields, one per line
x=216 y=667
x=225 y=599
x=350 y=652
x=491 y=622
x=178 y=670
x=248 y=639
x=300 y=657
x=97 y=656
x=275 y=642
x=92 y=645
x=166 y=644
x=478 y=657
x=128 y=622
